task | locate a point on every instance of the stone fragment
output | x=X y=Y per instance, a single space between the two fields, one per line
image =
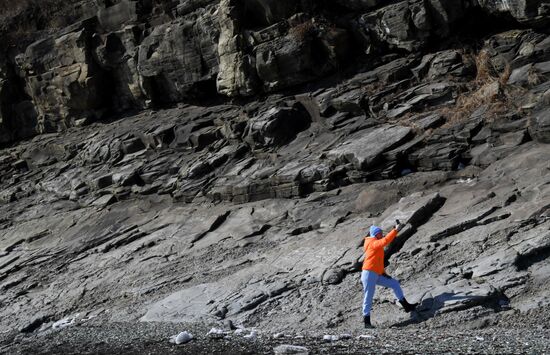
x=290 y=349
x=183 y=337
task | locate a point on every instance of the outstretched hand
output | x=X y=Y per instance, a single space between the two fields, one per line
x=398 y=225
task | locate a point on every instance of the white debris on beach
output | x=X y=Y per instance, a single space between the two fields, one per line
x=181 y=338
x=216 y=333
x=290 y=349
x=65 y=322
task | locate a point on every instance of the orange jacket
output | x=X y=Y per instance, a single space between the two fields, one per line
x=374 y=252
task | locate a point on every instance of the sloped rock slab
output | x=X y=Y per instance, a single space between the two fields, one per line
x=539 y=126
x=460 y=295
x=533 y=241
x=366 y=150
x=412 y=210
x=186 y=305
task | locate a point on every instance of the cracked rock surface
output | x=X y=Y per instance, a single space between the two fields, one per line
x=218 y=163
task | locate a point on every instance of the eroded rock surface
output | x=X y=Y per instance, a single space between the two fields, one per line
x=202 y=161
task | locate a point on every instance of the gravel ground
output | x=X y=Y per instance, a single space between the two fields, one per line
x=153 y=338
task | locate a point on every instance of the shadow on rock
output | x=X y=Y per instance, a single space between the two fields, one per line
x=444 y=302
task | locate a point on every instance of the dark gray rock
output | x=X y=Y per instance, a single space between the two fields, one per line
x=237 y=68
x=525 y=11
x=425 y=122
x=530 y=74
x=114 y=17
x=539 y=126
x=366 y=150
x=404 y=25
x=117 y=53
x=285 y=62
x=253 y=211
x=64 y=64
x=179 y=60
x=277 y=126
x=439 y=65
x=442 y=156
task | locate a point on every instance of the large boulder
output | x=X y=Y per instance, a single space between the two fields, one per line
x=307 y=52
x=237 y=70
x=404 y=25
x=64 y=82
x=277 y=126
x=179 y=59
x=117 y=54
x=409 y=24
x=533 y=12
x=285 y=62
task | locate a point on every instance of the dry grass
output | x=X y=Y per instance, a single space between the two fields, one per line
x=490 y=88
x=302 y=30
x=485 y=70
x=534 y=77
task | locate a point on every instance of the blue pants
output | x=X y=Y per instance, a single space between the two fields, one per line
x=370 y=279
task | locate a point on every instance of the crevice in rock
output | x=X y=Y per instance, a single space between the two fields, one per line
x=303 y=230
x=34 y=324
x=124 y=241
x=261 y=231
x=419 y=218
x=18 y=119
x=215 y=225
x=524 y=262
x=463 y=226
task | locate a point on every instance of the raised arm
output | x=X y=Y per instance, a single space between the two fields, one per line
x=381 y=243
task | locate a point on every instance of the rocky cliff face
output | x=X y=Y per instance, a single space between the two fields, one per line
x=201 y=160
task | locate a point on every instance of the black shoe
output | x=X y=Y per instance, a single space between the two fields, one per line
x=408 y=307
x=366 y=319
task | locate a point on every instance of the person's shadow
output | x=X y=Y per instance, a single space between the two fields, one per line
x=430 y=306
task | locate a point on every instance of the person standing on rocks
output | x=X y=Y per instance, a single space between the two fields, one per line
x=373 y=271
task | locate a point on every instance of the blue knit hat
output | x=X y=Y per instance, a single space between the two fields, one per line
x=374 y=230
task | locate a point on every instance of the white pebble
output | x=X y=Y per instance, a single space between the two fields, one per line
x=252 y=336
x=183 y=337
x=63 y=323
x=290 y=349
